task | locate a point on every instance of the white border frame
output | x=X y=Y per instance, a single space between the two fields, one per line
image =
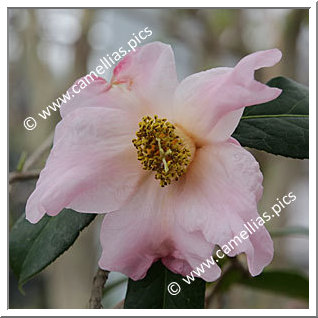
x=312 y=163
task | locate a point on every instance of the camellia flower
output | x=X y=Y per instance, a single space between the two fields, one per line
x=159 y=157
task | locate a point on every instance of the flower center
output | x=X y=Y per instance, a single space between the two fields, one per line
x=164 y=148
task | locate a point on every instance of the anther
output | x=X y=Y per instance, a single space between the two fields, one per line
x=164 y=148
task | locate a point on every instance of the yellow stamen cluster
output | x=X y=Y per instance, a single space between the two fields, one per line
x=160 y=149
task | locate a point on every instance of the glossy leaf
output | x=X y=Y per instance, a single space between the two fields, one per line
x=295 y=230
x=287 y=283
x=32 y=247
x=284 y=282
x=280 y=126
x=152 y=291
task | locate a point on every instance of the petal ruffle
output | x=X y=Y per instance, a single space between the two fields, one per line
x=135 y=236
x=92 y=166
x=209 y=104
x=182 y=223
x=220 y=194
x=191 y=249
x=146 y=230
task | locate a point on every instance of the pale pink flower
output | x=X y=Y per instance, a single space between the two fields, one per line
x=93 y=165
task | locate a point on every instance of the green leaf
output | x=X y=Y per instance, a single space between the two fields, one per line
x=32 y=247
x=295 y=230
x=287 y=283
x=21 y=161
x=152 y=291
x=280 y=126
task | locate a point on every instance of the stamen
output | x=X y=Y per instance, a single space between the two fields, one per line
x=161 y=149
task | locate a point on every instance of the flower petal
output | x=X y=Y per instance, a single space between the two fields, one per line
x=151 y=73
x=92 y=166
x=99 y=93
x=182 y=223
x=144 y=80
x=92 y=94
x=211 y=103
x=191 y=249
x=135 y=236
x=145 y=230
x=219 y=195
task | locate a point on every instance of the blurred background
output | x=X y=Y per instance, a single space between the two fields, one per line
x=50 y=48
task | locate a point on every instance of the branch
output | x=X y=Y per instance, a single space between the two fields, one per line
x=100 y=278
x=37 y=154
x=33 y=174
x=22 y=176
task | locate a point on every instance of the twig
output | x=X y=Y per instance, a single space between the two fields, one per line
x=37 y=154
x=33 y=174
x=100 y=278
x=120 y=305
x=21 y=176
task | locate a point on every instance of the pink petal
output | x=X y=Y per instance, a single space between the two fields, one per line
x=220 y=194
x=92 y=166
x=93 y=95
x=101 y=94
x=191 y=249
x=145 y=230
x=182 y=223
x=210 y=103
x=150 y=73
x=144 y=80
x=135 y=236
x=234 y=141
x=93 y=163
